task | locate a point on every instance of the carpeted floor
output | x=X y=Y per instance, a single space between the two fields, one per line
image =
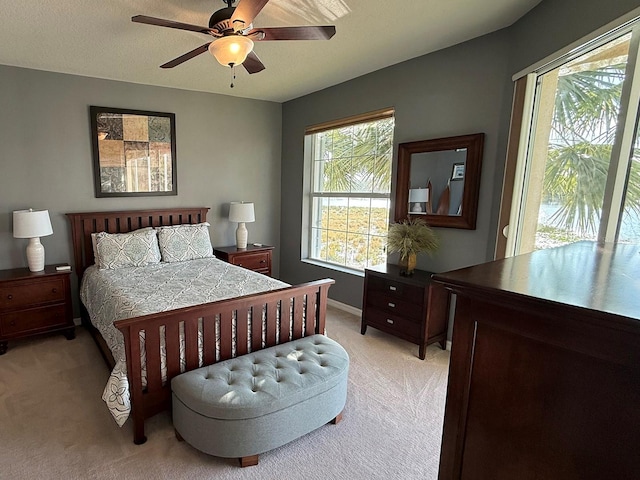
x=53 y=423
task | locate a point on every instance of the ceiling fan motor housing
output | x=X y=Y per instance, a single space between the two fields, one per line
x=221 y=21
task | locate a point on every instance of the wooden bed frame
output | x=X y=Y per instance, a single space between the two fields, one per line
x=299 y=309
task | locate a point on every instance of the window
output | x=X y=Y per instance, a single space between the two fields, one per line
x=349 y=171
x=578 y=176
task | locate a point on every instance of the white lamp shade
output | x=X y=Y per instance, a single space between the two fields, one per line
x=31 y=223
x=418 y=194
x=231 y=50
x=241 y=212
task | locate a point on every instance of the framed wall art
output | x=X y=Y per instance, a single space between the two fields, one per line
x=134 y=152
x=458 y=171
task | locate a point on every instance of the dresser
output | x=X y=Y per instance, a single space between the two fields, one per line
x=34 y=303
x=408 y=307
x=256 y=258
x=544 y=379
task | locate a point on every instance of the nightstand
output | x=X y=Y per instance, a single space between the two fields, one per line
x=32 y=303
x=411 y=308
x=254 y=258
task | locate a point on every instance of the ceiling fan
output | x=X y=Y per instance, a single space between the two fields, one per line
x=233 y=34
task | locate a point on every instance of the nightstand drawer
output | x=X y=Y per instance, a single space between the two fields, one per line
x=253 y=261
x=31 y=293
x=395 y=306
x=393 y=324
x=410 y=293
x=32 y=320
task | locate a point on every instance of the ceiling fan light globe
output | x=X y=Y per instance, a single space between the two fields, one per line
x=231 y=49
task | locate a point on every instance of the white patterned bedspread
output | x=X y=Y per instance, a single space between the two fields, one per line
x=110 y=295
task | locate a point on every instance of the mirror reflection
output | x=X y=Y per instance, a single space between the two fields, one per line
x=436 y=183
x=439 y=180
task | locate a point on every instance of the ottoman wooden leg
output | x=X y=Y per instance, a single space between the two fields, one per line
x=248 y=461
x=337 y=420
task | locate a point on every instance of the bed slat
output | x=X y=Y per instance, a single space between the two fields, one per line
x=272 y=321
x=226 y=321
x=191 y=343
x=152 y=351
x=242 y=315
x=172 y=331
x=209 y=339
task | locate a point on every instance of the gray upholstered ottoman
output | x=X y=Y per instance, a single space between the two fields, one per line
x=245 y=406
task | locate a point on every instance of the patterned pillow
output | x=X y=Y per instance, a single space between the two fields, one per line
x=184 y=242
x=133 y=249
x=95 y=246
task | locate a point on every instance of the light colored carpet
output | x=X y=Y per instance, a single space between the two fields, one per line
x=53 y=423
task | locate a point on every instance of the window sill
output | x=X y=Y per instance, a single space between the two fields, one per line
x=330 y=266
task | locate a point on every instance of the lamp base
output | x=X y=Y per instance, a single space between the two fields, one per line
x=417 y=208
x=35 y=255
x=241 y=235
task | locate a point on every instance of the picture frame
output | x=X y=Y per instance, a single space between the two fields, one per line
x=134 y=152
x=457 y=173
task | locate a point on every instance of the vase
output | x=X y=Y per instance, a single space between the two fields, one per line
x=408 y=264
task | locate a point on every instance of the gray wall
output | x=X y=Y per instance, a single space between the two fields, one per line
x=227 y=149
x=460 y=90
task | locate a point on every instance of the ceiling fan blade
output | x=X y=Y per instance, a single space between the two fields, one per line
x=169 y=23
x=253 y=64
x=293 y=33
x=187 y=56
x=245 y=12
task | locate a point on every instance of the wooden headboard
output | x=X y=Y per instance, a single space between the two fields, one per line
x=85 y=223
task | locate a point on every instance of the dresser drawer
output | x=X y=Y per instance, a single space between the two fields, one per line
x=410 y=293
x=393 y=324
x=396 y=306
x=22 y=294
x=31 y=320
x=253 y=261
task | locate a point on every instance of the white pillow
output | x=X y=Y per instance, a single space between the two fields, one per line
x=133 y=249
x=184 y=242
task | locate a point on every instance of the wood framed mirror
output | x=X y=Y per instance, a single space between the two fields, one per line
x=439 y=180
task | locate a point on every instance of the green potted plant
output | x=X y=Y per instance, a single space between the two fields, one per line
x=409 y=238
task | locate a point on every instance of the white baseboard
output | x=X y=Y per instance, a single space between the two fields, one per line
x=449 y=345
x=344 y=307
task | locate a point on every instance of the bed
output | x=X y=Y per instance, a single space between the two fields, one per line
x=162 y=344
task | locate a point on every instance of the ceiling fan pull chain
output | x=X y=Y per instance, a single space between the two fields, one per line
x=233 y=73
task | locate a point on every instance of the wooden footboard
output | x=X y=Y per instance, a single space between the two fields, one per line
x=287 y=314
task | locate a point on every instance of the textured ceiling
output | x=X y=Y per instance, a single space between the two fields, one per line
x=96 y=38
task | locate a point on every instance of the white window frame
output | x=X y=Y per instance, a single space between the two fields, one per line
x=308 y=185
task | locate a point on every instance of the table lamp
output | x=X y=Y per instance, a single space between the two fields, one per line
x=32 y=224
x=418 y=196
x=241 y=212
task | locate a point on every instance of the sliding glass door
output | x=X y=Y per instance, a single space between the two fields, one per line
x=579 y=177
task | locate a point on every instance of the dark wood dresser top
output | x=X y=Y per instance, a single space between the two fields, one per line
x=585 y=275
x=419 y=277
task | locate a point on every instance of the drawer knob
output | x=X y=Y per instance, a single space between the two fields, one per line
x=239 y=264
x=12 y=323
x=263 y=261
x=54 y=290
x=9 y=297
x=389 y=321
x=392 y=288
x=392 y=305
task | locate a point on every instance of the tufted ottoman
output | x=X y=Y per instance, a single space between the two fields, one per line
x=251 y=404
